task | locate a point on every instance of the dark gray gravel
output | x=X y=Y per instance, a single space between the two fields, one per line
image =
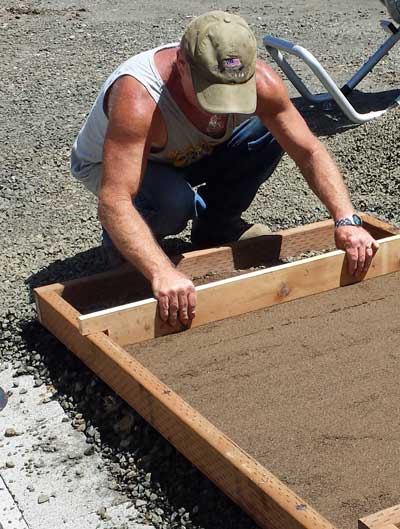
x=55 y=55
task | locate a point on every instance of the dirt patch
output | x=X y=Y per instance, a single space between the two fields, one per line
x=308 y=388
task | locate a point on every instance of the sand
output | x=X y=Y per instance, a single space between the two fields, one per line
x=309 y=388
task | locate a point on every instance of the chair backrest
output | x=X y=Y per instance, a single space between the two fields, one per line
x=393 y=6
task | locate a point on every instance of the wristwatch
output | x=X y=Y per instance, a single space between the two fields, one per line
x=354 y=220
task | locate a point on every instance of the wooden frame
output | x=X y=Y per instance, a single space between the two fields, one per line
x=386 y=519
x=139 y=321
x=263 y=496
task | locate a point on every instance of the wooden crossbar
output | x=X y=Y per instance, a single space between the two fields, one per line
x=386 y=519
x=98 y=289
x=139 y=321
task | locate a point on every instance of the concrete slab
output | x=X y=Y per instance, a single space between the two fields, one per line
x=121 y=517
x=10 y=516
x=44 y=469
x=25 y=408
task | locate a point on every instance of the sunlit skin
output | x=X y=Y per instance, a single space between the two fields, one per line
x=136 y=124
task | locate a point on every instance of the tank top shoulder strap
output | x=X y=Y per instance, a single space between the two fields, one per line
x=142 y=68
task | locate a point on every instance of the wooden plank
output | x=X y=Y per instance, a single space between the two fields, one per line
x=136 y=322
x=267 y=500
x=259 y=251
x=96 y=290
x=390 y=526
x=378 y=228
x=385 y=519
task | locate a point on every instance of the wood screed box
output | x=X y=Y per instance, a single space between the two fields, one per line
x=97 y=339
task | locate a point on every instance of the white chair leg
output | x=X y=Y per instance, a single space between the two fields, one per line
x=276 y=47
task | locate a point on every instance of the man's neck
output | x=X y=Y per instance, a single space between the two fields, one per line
x=213 y=125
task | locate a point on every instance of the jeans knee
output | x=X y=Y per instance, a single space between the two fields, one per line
x=178 y=208
x=170 y=212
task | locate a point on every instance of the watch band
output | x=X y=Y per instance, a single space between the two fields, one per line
x=354 y=220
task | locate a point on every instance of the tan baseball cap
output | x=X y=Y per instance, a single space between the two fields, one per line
x=221 y=51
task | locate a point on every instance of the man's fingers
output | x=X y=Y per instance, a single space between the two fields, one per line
x=192 y=300
x=361 y=260
x=352 y=260
x=375 y=246
x=176 y=297
x=163 y=307
x=183 y=307
x=173 y=309
x=370 y=251
x=360 y=248
x=369 y=254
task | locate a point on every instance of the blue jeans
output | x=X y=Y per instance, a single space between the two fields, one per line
x=228 y=181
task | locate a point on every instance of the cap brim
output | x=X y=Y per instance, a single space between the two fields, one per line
x=223 y=98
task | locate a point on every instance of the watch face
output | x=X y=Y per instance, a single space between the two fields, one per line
x=357 y=220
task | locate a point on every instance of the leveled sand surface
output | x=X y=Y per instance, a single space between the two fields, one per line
x=309 y=388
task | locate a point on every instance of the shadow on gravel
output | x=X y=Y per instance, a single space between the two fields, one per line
x=82 y=264
x=327 y=119
x=90 y=262
x=143 y=464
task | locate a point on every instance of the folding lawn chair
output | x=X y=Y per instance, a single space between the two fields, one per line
x=276 y=47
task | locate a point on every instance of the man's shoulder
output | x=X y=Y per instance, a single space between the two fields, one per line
x=127 y=84
x=267 y=78
x=271 y=90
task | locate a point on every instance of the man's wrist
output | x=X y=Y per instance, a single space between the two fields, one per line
x=348 y=220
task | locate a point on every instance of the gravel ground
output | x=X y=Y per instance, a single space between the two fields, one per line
x=55 y=57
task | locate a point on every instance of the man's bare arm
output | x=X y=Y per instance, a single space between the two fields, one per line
x=127 y=143
x=318 y=168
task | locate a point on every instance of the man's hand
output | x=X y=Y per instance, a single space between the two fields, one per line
x=360 y=247
x=176 y=297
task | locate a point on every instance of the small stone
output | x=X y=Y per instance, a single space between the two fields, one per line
x=102 y=512
x=10 y=464
x=10 y=432
x=65 y=419
x=125 y=424
x=126 y=442
x=79 y=386
x=89 y=451
x=23 y=391
x=140 y=503
x=38 y=383
x=79 y=473
x=43 y=498
x=90 y=431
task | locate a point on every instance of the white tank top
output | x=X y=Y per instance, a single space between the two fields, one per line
x=185 y=144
